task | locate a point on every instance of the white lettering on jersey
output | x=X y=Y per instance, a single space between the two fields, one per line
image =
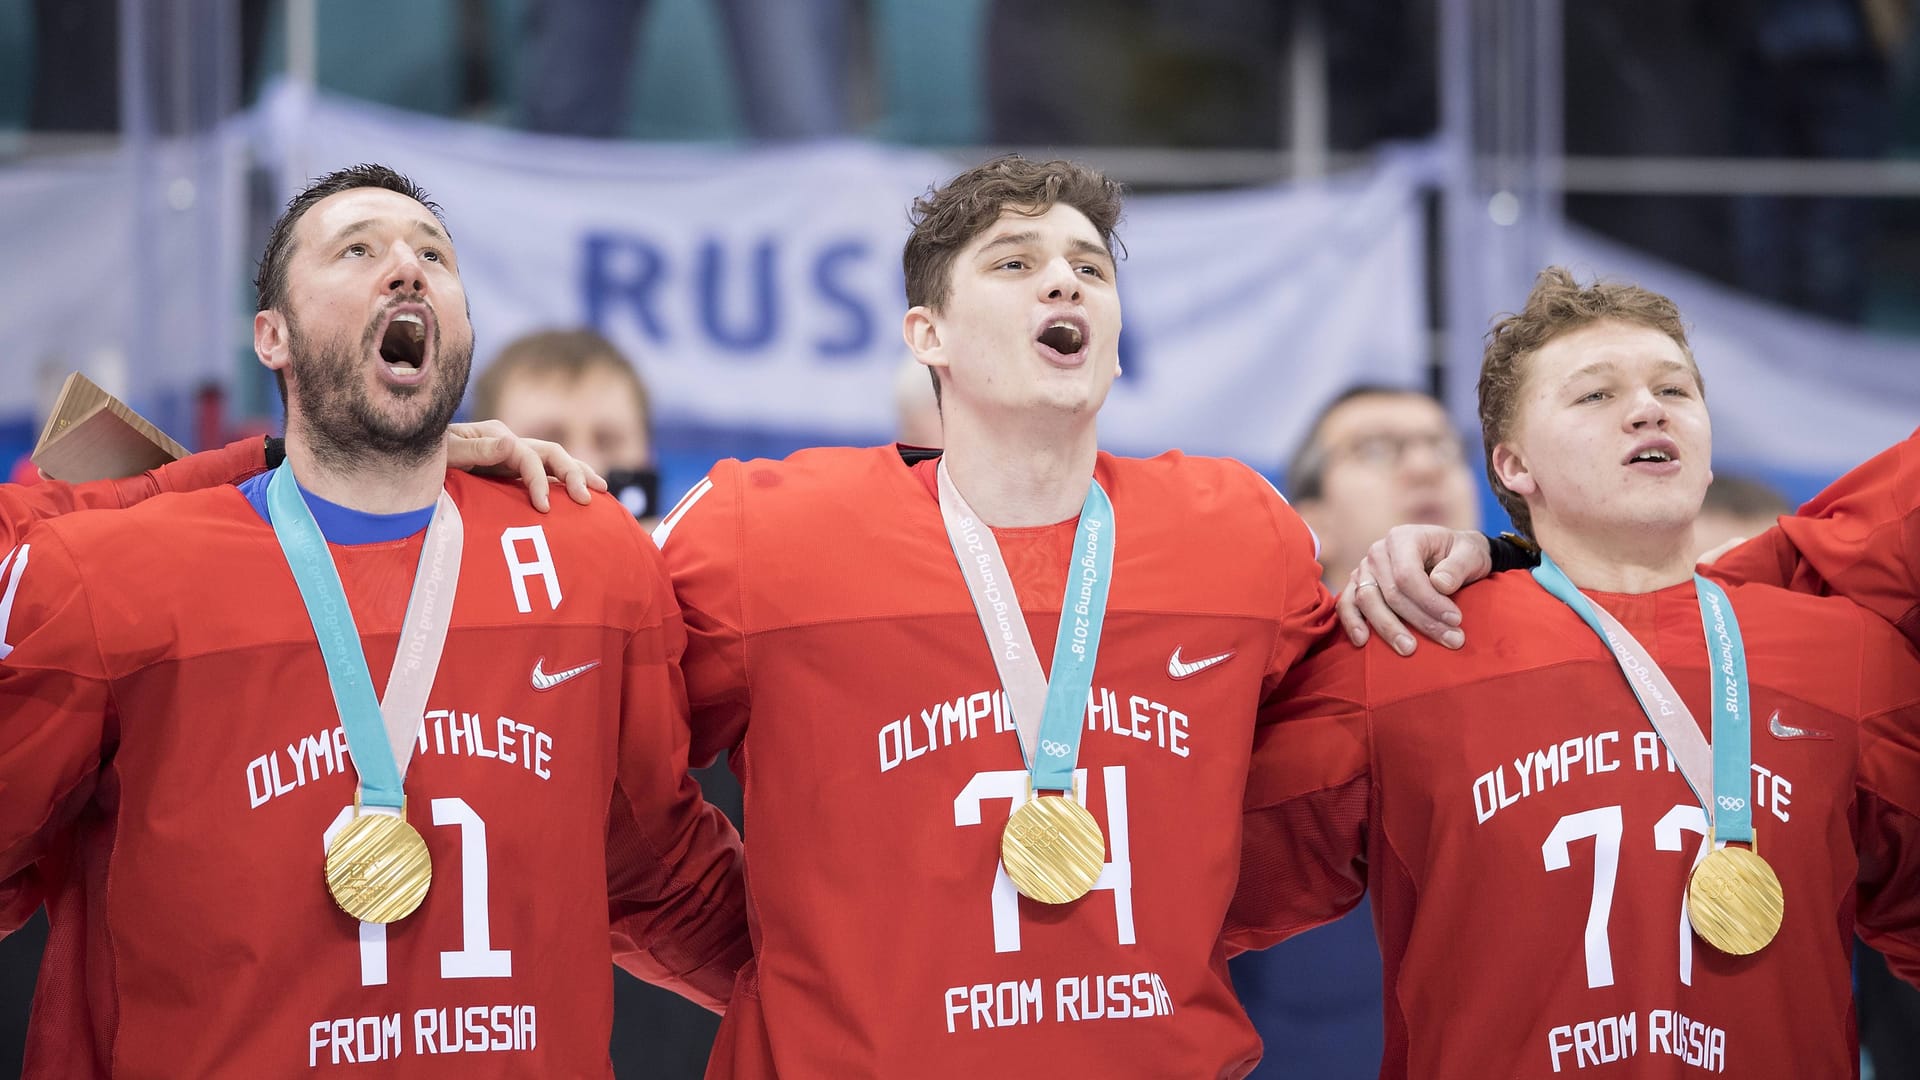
x=1595 y=1042
x=1542 y=770
x=966 y=716
x=1135 y=995
x=1604 y=1040
x=353 y=1040
x=476 y=1028
x=541 y=566
x=284 y=770
x=665 y=528
x=11 y=569
x=461 y=1029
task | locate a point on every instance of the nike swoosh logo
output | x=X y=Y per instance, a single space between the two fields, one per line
x=1788 y=731
x=544 y=681
x=1178 y=670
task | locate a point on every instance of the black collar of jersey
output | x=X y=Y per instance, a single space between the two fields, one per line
x=914 y=455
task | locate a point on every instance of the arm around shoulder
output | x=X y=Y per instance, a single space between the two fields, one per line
x=1304 y=822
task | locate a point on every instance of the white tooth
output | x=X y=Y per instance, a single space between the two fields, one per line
x=409 y=317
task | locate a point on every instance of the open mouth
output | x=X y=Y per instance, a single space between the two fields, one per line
x=403 y=345
x=1066 y=337
x=1652 y=455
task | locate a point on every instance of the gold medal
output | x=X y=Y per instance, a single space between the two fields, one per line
x=378 y=868
x=1735 y=901
x=1053 y=849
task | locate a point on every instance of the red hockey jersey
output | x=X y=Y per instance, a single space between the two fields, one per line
x=834 y=649
x=1859 y=539
x=171 y=759
x=1526 y=838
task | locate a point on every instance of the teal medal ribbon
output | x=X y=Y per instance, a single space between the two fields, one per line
x=1083 y=611
x=1724 y=796
x=326 y=601
x=1048 y=710
x=377 y=866
x=1052 y=850
x=1734 y=899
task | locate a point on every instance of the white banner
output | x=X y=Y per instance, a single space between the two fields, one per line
x=66 y=291
x=760 y=289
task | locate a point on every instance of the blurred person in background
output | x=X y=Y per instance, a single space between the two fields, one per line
x=1375 y=457
x=789 y=59
x=575 y=388
x=916 y=406
x=1736 y=508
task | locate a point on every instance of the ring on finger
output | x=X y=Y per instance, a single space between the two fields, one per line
x=1367 y=584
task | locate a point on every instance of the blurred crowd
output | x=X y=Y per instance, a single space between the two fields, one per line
x=1768 y=79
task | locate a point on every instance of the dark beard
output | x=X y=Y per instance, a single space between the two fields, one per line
x=343 y=429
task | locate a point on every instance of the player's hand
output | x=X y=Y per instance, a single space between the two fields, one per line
x=491 y=448
x=1708 y=558
x=1409 y=575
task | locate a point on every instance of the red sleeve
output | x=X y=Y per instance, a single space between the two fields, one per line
x=56 y=706
x=21 y=507
x=702 y=542
x=675 y=885
x=1859 y=539
x=1303 y=839
x=1887 y=810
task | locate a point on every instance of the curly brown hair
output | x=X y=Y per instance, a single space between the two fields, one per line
x=1557 y=305
x=946 y=219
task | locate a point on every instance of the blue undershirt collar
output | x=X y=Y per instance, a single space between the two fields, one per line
x=342 y=524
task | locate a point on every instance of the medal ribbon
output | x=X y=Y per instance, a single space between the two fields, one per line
x=1047 y=713
x=1719 y=774
x=381 y=762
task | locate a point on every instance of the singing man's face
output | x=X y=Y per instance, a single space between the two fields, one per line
x=1031 y=323
x=377 y=343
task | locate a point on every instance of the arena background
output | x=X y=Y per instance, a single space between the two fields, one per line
x=1325 y=194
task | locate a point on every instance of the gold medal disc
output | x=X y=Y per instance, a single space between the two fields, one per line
x=1053 y=849
x=1735 y=901
x=378 y=868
